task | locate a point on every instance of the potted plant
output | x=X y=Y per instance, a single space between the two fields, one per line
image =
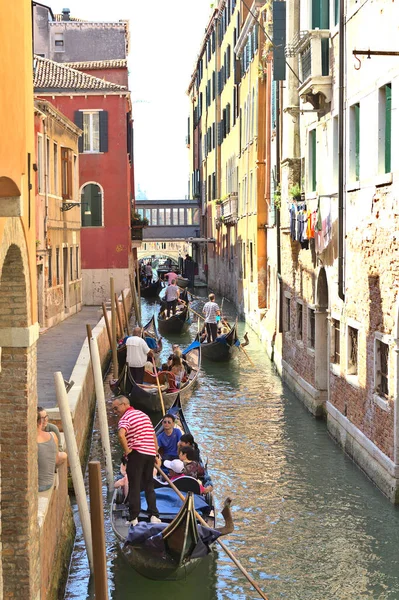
x=138 y=221
x=277 y=197
x=295 y=191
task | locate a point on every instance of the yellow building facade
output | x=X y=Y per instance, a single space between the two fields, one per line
x=227 y=140
x=19 y=541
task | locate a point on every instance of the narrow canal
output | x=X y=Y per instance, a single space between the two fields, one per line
x=309 y=524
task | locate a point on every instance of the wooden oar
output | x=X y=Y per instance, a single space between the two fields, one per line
x=242 y=349
x=221 y=544
x=159 y=387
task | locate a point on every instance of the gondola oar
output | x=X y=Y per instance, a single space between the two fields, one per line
x=242 y=349
x=228 y=552
x=159 y=387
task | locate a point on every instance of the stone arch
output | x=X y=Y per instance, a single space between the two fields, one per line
x=322 y=346
x=19 y=539
x=10 y=198
x=322 y=289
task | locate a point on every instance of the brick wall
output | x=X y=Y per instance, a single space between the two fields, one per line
x=18 y=401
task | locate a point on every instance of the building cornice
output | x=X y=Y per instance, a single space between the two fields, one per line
x=44 y=107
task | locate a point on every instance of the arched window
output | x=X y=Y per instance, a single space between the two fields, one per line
x=91 y=205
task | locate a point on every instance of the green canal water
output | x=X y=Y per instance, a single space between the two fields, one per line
x=308 y=524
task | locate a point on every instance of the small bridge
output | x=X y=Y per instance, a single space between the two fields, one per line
x=171 y=224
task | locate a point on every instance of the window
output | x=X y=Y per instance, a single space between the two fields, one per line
x=77 y=262
x=287 y=315
x=354 y=143
x=161 y=216
x=352 y=350
x=59 y=42
x=335 y=341
x=47 y=173
x=196 y=216
x=299 y=320
x=312 y=161
x=50 y=269
x=251 y=260
x=91 y=132
x=167 y=216
x=55 y=169
x=154 y=220
x=189 y=216
x=71 y=262
x=181 y=216
x=384 y=128
x=57 y=265
x=147 y=214
x=175 y=212
x=381 y=368
x=311 y=327
x=335 y=152
x=91 y=205
x=66 y=174
x=40 y=165
x=244 y=270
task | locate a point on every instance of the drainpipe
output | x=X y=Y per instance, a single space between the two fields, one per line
x=341 y=153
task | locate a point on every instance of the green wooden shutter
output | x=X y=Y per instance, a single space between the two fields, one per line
x=103 y=130
x=78 y=119
x=357 y=141
x=388 y=126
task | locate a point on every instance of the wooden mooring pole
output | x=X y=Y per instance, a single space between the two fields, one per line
x=97 y=531
x=113 y=329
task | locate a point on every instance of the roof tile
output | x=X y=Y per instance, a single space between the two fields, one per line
x=50 y=75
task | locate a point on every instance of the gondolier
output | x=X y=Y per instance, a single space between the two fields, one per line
x=139 y=444
x=211 y=310
x=171 y=296
x=137 y=352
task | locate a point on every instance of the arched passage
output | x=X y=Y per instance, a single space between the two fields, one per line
x=321 y=332
x=10 y=198
x=18 y=459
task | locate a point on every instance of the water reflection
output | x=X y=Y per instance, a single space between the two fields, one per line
x=309 y=525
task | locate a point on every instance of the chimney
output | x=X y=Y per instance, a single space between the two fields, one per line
x=65 y=14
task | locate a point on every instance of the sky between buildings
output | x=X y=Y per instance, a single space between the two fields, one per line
x=165 y=38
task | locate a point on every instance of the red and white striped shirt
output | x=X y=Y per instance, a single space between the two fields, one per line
x=139 y=431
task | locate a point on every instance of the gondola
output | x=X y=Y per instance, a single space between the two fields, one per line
x=178 y=323
x=183 y=282
x=152 y=290
x=145 y=397
x=173 y=548
x=223 y=349
x=149 y=331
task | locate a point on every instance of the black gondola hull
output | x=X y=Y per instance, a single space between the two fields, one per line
x=221 y=351
x=152 y=290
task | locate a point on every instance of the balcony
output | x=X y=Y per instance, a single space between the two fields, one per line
x=228 y=210
x=137 y=233
x=314 y=66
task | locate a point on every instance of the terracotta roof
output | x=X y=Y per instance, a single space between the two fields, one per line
x=92 y=65
x=50 y=75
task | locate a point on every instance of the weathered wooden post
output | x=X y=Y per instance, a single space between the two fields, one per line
x=74 y=463
x=97 y=531
x=113 y=328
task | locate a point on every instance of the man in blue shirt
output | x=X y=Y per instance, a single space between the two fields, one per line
x=169 y=438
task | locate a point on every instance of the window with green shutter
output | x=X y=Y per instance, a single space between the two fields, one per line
x=357 y=141
x=388 y=126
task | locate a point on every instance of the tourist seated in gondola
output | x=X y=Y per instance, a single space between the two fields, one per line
x=121 y=481
x=177 y=369
x=191 y=466
x=187 y=441
x=169 y=438
x=176 y=471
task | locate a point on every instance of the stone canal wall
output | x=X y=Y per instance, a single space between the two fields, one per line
x=57 y=529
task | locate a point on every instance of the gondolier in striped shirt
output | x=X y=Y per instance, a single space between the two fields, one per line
x=138 y=440
x=211 y=310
